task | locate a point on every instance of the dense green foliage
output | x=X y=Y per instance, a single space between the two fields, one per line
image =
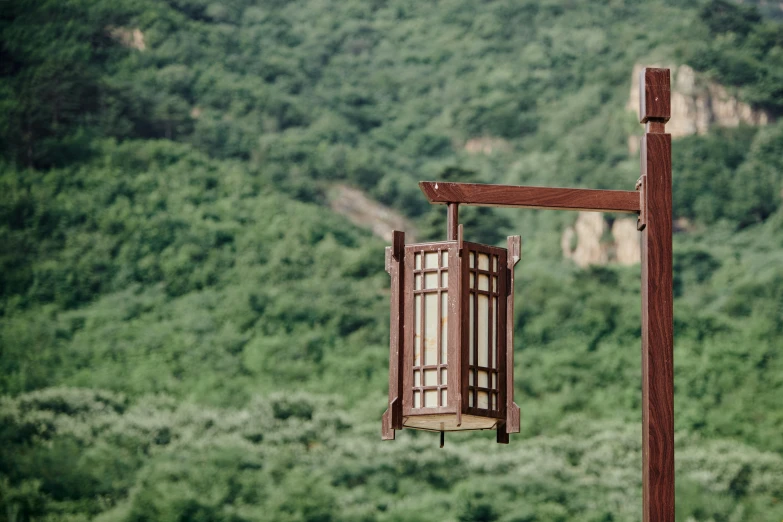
x=742 y=50
x=188 y=332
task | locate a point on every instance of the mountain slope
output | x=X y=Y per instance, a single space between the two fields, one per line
x=188 y=332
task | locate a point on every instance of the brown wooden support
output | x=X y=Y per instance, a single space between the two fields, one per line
x=657 y=302
x=392 y=417
x=531 y=197
x=511 y=409
x=460 y=330
x=453 y=222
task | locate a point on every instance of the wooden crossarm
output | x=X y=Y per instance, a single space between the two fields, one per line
x=532 y=197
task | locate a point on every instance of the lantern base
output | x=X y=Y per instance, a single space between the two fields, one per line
x=448 y=422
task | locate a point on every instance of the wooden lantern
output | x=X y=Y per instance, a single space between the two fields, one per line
x=452 y=359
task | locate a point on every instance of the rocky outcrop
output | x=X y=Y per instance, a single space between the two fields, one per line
x=627 y=242
x=698 y=104
x=132 y=38
x=486 y=145
x=591 y=241
x=368 y=213
x=582 y=242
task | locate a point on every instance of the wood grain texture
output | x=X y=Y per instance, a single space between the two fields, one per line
x=626 y=201
x=502 y=347
x=654 y=95
x=512 y=410
x=461 y=359
x=392 y=418
x=452 y=224
x=641 y=221
x=455 y=333
x=657 y=332
x=464 y=344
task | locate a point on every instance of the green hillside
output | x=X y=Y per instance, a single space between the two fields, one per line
x=188 y=332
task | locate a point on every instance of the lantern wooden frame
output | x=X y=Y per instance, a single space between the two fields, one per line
x=455 y=377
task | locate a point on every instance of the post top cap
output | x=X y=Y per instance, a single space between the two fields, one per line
x=654 y=95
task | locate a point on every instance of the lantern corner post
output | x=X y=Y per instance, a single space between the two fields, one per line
x=392 y=417
x=655 y=222
x=457 y=370
x=512 y=413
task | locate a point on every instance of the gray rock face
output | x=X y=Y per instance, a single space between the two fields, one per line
x=591 y=242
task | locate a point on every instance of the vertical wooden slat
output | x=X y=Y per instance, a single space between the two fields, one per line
x=490 y=327
x=465 y=315
x=502 y=348
x=512 y=410
x=392 y=418
x=408 y=337
x=423 y=323
x=438 y=329
x=657 y=303
x=455 y=332
x=474 y=319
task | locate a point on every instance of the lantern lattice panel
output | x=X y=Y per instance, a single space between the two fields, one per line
x=486 y=322
x=428 y=344
x=430 y=333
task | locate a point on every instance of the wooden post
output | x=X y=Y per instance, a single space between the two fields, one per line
x=655 y=221
x=452 y=224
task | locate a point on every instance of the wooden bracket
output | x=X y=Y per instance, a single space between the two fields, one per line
x=388 y=420
x=641 y=221
x=514 y=251
x=448 y=193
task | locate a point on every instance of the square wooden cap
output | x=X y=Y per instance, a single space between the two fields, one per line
x=654 y=95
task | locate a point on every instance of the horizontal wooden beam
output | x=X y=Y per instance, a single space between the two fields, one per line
x=531 y=197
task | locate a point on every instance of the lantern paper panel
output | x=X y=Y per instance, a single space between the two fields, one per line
x=429 y=302
x=430 y=318
x=486 y=326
